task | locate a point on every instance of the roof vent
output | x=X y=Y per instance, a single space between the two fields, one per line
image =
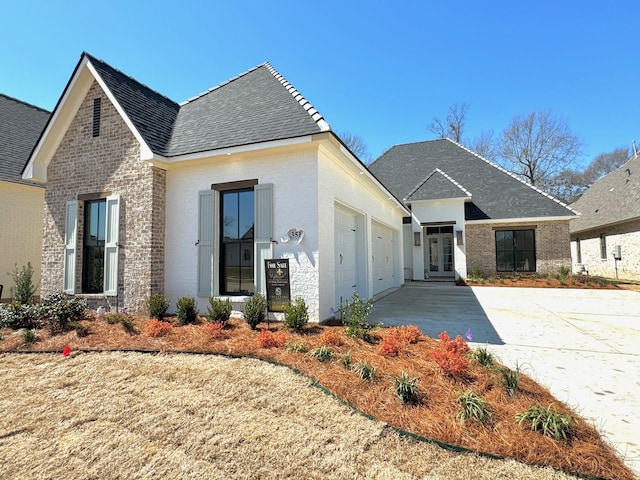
x=97 y=107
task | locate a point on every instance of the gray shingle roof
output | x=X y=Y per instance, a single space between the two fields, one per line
x=437 y=186
x=256 y=106
x=615 y=198
x=20 y=127
x=495 y=194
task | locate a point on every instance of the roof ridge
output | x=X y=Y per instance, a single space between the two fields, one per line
x=232 y=79
x=431 y=174
x=420 y=184
x=455 y=182
x=95 y=59
x=502 y=169
x=27 y=104
x=304 y=103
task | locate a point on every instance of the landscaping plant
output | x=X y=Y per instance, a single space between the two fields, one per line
x=186 y=310
x=158 y=306
x=255 y=310
x=355 y=316
x=510 y=379
x=323 y=353
x=451 y=354
x=157 y=328
x=24 y=289
x=213 y=329
x=406 y=388
x=269 y=339
x=473 y=406
x=482 y=357
x=219 y=310
x=296 y=314
x=365 y=370
x=547 y=421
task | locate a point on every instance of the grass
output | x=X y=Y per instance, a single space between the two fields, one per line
x=433 y=417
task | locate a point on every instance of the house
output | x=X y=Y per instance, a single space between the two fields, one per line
x=144 y=195
x=21 y=201
x=605 y=239
x=468 y=214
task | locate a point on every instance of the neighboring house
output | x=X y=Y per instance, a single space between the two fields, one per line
x=21 y=201
x=467 y=213
x=605 y=239
x=145 y=195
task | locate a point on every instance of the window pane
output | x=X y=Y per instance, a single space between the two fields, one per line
x=93 y=246
x=230 y=216
x=515 y=251
x=245 y=211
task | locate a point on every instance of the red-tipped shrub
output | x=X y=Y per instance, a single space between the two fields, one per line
x=268 y=339
x=331 y=337
x=390 y=345
x=213 y=329
x=450 y=355
x=157 y=328
x=406 y=333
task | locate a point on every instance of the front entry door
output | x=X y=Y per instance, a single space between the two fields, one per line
x=438 y=251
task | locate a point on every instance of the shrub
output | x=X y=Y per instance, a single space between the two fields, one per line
x=186 y=310
x=28 y=335
x=298 y=347
x=213 y=329
x=296 y=314
x=126 y=320
x=58 y=310
x=158 y=306
x=331 y=337
x=510 y=379
x=268 y=339
x=219 y=310
x=564 y=271
x=23 y=281
x=17 y=315
x=81 y=330
x=365 y=370
x=450 y=354
x=390 y=346
x=483 y=357
x=255 y=310
x=476 y=273
x=355 y=316
x=406 y=388
x=547 y=421
x=473 y=406
x=405 y=333
x=323 y=353
x=157 y=328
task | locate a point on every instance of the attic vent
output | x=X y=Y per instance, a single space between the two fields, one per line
x=97 y=106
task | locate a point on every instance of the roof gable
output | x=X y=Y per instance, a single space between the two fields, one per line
x=437 y=186
x=497 y=194
x=20 y=127
x=615 y=198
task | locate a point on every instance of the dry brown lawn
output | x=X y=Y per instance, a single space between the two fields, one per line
x=174 y=415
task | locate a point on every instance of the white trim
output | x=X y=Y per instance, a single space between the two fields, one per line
x=518 y=220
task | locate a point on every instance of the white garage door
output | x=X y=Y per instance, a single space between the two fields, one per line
x=345 y=255
x=382 y=257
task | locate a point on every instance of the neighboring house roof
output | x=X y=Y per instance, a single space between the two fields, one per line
x=492 y=192
x=256 y=106
x=20 y=128
x=615 y=198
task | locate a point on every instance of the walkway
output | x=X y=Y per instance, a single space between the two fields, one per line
x=584 y=345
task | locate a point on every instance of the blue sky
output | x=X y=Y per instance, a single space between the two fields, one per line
x=380 y=70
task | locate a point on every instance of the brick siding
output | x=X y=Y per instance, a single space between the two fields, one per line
x=552 y=245
x=109 y=163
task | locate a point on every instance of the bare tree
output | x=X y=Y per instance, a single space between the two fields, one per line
x=453 y=126
x=356 y=145
x=538 y=147
x=606 y=163
x=484 y=145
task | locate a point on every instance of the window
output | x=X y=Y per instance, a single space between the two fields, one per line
x=236 y=245
x=578 y=251
x=93 y=246
x=515 y=251
x=603 y=246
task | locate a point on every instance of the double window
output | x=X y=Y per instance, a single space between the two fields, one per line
x=515 y=251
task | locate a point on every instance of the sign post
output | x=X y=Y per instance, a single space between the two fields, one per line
x=278 y=286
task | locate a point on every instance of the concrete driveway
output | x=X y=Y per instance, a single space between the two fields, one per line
x=584 y=345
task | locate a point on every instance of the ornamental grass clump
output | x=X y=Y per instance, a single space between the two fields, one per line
x=406 y=388
x=547 y=421
x=451 y=355
x=473 y=407
x=365 y=370
x=510 y=380
x=483 y=357
x=323 y=353
x=28 y=335
x=297 y=347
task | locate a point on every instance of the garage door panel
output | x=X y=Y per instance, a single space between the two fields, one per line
x=382 y=258
x=346 y=271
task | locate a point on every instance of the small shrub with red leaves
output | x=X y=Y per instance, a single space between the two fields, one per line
x=213 y=329
x=405 y=333
x=157 y=328
x=451 y=354
x=390 y=346
x=269 y=339
x=331 y=337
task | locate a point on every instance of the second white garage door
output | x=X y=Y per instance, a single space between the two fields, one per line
x=382 y=260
